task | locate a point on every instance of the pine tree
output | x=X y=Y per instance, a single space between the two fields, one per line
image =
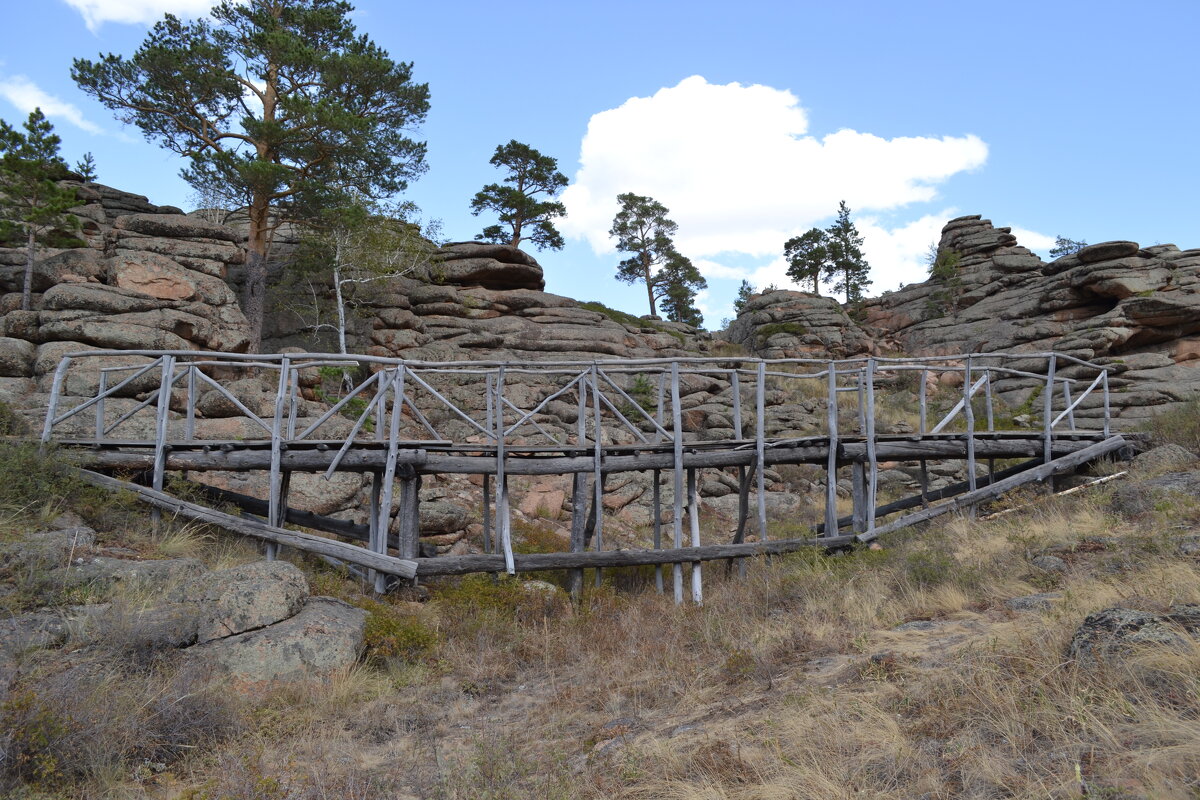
x=846 y=267
x=29 y=197
x=743 y=296
x=680 y=280
x=86 y=167
x=643 y=230
x=1065 y=247
x=527 y=217
x=808 y=258
x=281 y=106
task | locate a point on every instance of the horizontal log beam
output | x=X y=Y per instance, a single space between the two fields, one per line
x=432 y=462
x=307 y=519
x=1057 y=466
x=533 y=562
x=306 y=542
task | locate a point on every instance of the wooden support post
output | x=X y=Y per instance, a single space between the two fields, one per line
x=378 y=518
x=1047 y=423
x=60 y=373
x=408 y=505
x=969 y=416
x=1107 y=419
x=872 y=454
x=579 y=501
x=694 y=525
x=503 y=529
x=858 y=479
x=921 y=429
x=408 y=538
x=598 y=480
x=743 y=512
x=160 y=435
x=278 y=508
x=100 y=392
x=831 y=419
x=760 y=436
x=487 y=514
x=677 y=520
x=656 y=477
x=1069 y=407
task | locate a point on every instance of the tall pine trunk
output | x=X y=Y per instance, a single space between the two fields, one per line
x=30 y=253
x=254 y=293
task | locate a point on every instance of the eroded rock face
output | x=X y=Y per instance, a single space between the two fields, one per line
x=787 y=324
x=243 y=598
x=320 y=640
x=149 y=278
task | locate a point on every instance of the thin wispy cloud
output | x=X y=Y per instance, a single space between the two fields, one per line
x=26 y=95
x=136 y=12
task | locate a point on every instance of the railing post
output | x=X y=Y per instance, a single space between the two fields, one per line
x=503 y=529
x=1047 y=410
x=579 y=490
x=276 y=511
x=656 y=477
x=760 y=428
x=60 y=373
x=598 y=480
x=101 y=389
x=160 y=432
x=871 y=445
x=831 y=515
x=677 y=521
x=1107 y=422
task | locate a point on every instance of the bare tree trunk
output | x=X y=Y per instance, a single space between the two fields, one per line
x=27 y=289
x=254 y=293
x=337 y=296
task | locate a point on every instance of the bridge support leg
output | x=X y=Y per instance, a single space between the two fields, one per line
x=579 y=504
x=858 y=475
x=408 y=535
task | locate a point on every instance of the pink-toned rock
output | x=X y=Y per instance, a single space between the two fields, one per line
x=152 y=275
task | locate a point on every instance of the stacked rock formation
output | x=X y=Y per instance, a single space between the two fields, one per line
x=149 y=278
x=1116 y=303
x=788 y=324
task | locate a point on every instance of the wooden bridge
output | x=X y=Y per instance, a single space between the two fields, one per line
x=409 y=419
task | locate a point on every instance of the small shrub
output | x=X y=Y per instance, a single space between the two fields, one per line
x=1179 y=425
x=391 y=634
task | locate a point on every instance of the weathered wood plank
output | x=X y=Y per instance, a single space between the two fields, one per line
x=260 y=530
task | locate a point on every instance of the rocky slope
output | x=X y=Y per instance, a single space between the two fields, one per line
x=1117 y=303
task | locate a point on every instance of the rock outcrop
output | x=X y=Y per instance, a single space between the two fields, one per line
x=146 y=277
x=788 y=324
x=1134 y=308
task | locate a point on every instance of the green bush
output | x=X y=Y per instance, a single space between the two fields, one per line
x=1179 y=425
x=391 y=634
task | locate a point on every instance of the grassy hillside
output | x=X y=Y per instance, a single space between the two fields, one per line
x=888 y=673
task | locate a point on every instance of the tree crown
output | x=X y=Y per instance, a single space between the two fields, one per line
x=521 y=205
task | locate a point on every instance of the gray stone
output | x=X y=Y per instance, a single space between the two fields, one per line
x=49 y=547
x=102 y=573
x=1106 y=251
x=176 y=226
x=27 y=631
x=232 y=601
x=443 y=516
x=16 y=358
x=325 y=637
x=1164 y=457
x=1109 y=635
x=1049 y=563
x=1033 y=602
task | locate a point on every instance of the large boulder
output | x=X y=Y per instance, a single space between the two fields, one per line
x=16 y=358
x=176 y=226
x=324 y=638
x=232 y=601
x=1108 y=636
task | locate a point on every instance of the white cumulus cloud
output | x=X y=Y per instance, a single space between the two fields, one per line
x=739 y=172
x=27 y=95
x=133 y=12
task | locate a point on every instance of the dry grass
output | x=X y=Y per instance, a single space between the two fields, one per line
x=791 y=683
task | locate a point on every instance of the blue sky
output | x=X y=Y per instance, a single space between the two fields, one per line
x=748 y=120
